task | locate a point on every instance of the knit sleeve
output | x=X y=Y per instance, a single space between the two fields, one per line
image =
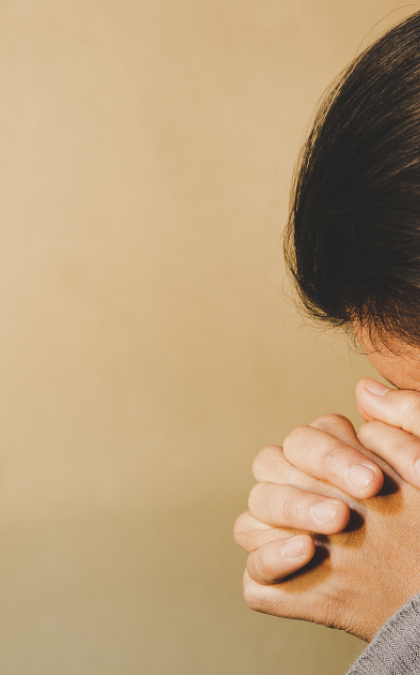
x=395 y=650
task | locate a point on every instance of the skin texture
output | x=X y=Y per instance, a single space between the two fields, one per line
x=329 y=579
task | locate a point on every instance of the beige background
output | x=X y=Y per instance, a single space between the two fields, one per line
x=146 y=350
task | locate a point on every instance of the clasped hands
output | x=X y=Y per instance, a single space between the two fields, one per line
x=333 y=527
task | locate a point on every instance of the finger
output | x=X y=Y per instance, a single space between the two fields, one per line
x=338 y=426
x=398 y=448
x=363 y=414
x=255 y=595
x=286 y=599
x=271 y=466
x=288 y=506
x=250 y=533
x=324 y=456
x=397 y=407
x=277 y=559
x=270 y=599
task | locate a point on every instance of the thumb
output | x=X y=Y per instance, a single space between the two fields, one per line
x=397 y=407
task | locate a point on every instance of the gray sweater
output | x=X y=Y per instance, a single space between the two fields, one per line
x=395 y=650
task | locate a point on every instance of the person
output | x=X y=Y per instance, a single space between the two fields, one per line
x=333 y=524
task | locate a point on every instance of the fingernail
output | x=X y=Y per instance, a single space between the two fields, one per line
x=416 y=468
x=325 y=512
x=294 y=548
x=360 y=476
x=376 y=388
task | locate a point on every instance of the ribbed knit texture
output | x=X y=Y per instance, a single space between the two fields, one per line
x=395 y=650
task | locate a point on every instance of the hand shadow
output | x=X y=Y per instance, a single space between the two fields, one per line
x=388 y=501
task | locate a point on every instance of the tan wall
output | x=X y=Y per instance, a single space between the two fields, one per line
x=146 y=350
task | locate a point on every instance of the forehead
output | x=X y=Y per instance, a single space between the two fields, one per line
x=400 y=365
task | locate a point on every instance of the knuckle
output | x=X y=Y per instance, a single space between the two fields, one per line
x=330 y=419
x=251 y=597
x=411 y=409
x=294 y=437
x=263 y=461
x=265 y=563
x=287 y=506
x=332 y=423
x=254 y=495
x=240 y=530
x=368 y=430
x=330 y=460
x=409 y=446
x=261 y=564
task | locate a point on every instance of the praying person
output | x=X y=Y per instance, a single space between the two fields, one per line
x=333 y=527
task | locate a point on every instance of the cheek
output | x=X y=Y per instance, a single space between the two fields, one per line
x=399 y=364
x=403 y=373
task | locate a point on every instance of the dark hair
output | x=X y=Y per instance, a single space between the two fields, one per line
x=352 y=241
